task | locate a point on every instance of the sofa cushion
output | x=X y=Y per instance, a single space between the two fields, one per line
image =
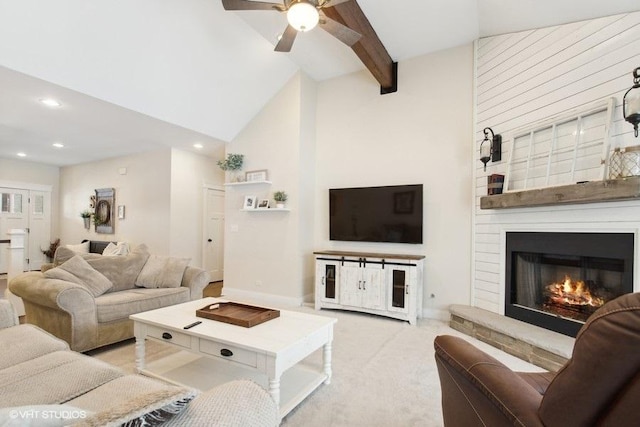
x=77 y=270
x=122 y=270
x=115 y=249
x=80 y=248
x=162 y=272
x=120 y=305
x=64 y=254
x=25 y=342
x=235 y=403
x=72 y=373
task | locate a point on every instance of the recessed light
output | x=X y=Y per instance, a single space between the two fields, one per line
x=50 y=102
x=21 y=154
x=198 y=146
x=58 y=144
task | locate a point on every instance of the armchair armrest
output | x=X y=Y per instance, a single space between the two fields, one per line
x=64 y=309
x=8 y=316
x=33 y=287
x=479 y=390
x=196 y=279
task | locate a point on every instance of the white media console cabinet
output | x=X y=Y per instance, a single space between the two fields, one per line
x=384 y=284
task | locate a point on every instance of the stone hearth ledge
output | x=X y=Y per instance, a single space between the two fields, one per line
x=541 y=347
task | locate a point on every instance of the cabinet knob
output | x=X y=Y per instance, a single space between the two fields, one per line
x=209 y=240
x=226 y=352
x=166 y=335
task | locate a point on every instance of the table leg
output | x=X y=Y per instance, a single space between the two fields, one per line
x=326 y=357
x=274 y=390
x=140 y=353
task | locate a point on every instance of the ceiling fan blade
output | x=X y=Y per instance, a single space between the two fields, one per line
x=287 y=39
x=343 y=33
x=250 y=5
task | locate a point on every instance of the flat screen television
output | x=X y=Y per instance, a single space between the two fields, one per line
x=376 y=214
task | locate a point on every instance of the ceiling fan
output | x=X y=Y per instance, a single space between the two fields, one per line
x=303 y=15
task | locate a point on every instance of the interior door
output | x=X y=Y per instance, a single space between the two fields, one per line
x=213 y=254
x=14 y=214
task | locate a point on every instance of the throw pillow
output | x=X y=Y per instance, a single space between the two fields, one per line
x=122 y=270
x=112 y=249
x=78 y=271
x=64 y=254
x=81 y=248
x=162 y=272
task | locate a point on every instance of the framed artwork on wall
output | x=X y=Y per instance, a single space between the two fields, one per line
x=105 y=210
x=258 y=175
x=249 y=202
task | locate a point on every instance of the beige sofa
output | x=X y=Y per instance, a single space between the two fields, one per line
x=42 y=382
x=87 y=299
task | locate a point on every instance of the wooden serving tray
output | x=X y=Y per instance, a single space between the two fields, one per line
x=238 y=314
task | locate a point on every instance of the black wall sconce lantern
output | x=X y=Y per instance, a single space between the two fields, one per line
x=631 y=102
x=490 y=149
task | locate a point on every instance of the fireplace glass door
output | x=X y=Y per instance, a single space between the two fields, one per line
x=558 y=280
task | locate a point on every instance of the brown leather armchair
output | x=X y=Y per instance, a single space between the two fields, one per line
x=598 y=386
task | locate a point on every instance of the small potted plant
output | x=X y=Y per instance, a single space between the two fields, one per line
x=280 y=197
x=86 y=216
x=50 y=253
x=232 y=163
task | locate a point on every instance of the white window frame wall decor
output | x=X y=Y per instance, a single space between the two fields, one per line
x=566 y=149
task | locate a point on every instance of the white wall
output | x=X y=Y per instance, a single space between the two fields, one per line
x=144 y=191
x=189 y=174
x=419 y=135
x=528 y=76
x=162 y=194
x=268 y=252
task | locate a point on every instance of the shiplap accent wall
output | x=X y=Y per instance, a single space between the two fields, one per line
x=530 y=76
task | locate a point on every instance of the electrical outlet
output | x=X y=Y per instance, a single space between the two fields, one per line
x=258 y=283
x=234 y=228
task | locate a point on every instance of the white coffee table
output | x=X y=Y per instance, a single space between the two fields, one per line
x=270 y=353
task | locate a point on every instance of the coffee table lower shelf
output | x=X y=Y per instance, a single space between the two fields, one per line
x=186 y=368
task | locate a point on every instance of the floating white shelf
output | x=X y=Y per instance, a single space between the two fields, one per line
x=240 y=184
x=268 y=210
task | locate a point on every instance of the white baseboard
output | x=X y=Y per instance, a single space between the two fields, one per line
x=260 y=298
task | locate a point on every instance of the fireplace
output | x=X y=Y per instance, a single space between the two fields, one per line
x=556 y=280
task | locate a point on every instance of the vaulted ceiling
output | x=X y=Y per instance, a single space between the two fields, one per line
x=135 y=75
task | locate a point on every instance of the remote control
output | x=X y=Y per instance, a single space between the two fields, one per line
x=191 y=325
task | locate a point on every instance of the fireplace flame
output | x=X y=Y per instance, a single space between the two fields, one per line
x=573 y=293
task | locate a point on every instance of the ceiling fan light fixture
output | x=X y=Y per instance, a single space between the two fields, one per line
x=303 y=16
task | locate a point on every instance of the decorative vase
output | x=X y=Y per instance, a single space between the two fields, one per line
x=279 y=205
x=87 y=223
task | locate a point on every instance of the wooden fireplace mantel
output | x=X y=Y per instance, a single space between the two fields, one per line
x=588 y=192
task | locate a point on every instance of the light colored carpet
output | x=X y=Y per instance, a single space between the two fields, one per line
x=384 y=373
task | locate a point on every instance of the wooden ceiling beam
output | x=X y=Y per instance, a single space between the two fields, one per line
x=369 y=48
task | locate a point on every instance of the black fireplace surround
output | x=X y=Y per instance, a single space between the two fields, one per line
x=538 y=264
